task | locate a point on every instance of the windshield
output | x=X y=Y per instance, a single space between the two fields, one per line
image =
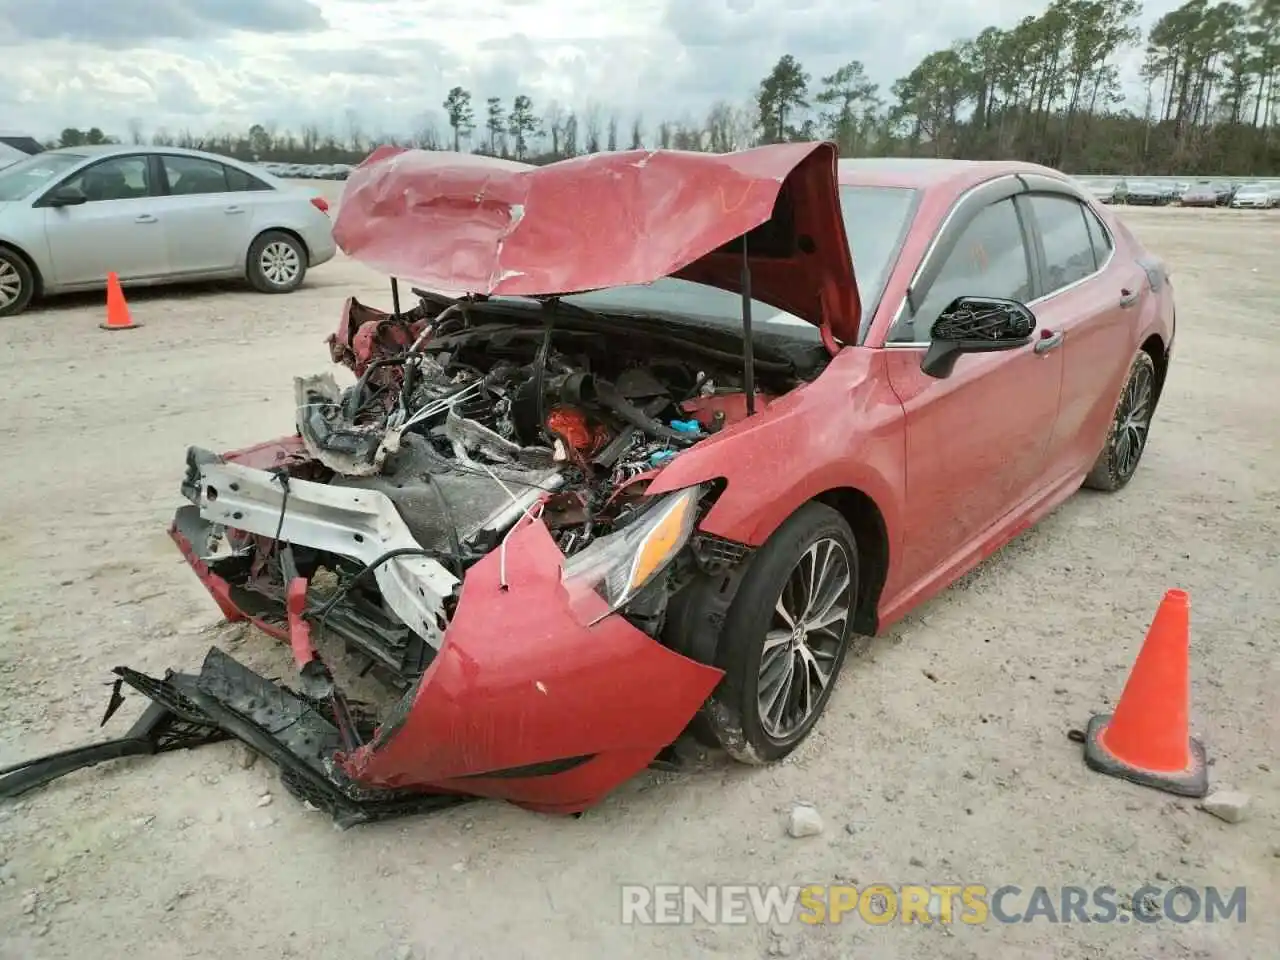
x=876 y=221
x=27 y=176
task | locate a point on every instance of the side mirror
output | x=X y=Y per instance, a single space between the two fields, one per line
x=65 y=197
x=976 y=325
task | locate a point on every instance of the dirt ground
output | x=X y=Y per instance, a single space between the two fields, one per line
x=943 y=757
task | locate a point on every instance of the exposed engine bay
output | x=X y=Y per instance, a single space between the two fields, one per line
x=465 y=417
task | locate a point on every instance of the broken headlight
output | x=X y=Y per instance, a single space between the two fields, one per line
x=616 y=567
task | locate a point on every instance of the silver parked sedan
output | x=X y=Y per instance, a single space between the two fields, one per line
x=152 y=215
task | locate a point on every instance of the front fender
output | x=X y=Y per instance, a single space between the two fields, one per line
x=844 y=430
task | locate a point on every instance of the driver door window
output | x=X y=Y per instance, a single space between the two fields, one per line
x=989 y=260
x=121 y=178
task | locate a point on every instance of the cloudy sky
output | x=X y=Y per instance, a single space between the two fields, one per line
x=214 y=64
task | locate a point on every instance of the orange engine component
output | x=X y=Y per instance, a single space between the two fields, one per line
x=576 y=430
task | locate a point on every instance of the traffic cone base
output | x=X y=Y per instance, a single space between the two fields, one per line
x=1147 y=739
x=118 y=316
x=1191 y=782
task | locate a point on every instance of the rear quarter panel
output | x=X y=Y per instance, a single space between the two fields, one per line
x=289 y=208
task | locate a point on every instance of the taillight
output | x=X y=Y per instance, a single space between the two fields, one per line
x=321 y=204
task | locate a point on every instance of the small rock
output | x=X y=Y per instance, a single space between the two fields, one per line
x=264 y=800
x=1161 y=875
x=852 y=828
x=1059 y=690
x=804 y=821
x=969 y=775
x=1264 y=768
x=1133 y=806
x=29 y=904
x=50 y=875
x=43 y=929
x=246 y=756
x=404 y=952
x=916 y=862
x=459 y=867
x=146 y=821
x=779 y=948
x=1228 y=805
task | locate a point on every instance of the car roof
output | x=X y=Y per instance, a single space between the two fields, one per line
x=111 y=149
x=931 y=173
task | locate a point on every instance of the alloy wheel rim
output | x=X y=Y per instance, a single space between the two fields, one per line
x=10 y=284
x=280 y=263
x=1133 y=420
x=804 y=639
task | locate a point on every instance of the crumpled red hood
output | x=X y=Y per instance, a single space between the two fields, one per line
x=464 y=223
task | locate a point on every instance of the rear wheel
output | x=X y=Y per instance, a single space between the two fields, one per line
x=277 y=263
x=1127 y=437
x=17 y=285
x=788 y=632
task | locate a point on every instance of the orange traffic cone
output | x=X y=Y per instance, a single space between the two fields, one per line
x=1147 y=739
x=118 y=317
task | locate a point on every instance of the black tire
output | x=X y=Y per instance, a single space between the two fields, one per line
x=1122 y=450
x=277 y=263
x=13 y=268
x=732 y=713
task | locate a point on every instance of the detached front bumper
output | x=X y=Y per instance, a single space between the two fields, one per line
x=522 y=700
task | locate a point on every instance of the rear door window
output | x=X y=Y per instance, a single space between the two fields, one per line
x=194 y=175
x=241 y=182
x=1099 y=237
x=1068 y=248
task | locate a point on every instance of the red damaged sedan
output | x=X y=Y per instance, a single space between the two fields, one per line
x=662 y=432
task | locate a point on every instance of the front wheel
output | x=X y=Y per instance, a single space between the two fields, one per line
x=17 y=285
x=787 y=633
x=277 y=263
x=1127 y=437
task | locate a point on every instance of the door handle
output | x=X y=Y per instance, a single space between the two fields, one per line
x=144 y=218
x=231 y=210
x=1128 y=298
x=1048 y=341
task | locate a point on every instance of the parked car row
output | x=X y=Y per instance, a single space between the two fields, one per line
x=1186 y=193
x=309 y=171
